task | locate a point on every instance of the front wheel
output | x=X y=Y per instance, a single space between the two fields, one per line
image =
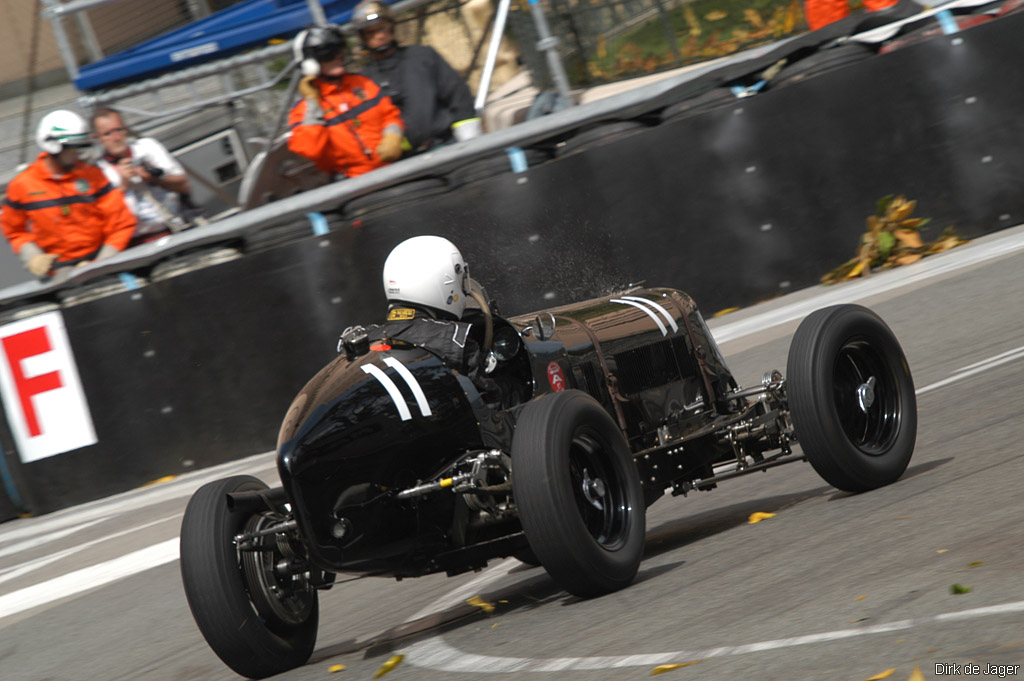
x=259 y=621
x=852 y=398
x=578 y=493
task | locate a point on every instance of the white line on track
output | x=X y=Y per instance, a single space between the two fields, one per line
x=976 y=368
x=101 y=574
x=32 y=565
x=435 y=654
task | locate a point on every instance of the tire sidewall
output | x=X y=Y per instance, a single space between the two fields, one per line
x=556 y=532
x=217 y=591
x=817 y=423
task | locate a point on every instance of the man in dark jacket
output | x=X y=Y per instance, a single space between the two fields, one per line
x=435 y=101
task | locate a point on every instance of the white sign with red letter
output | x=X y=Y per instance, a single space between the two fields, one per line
x=41 y=390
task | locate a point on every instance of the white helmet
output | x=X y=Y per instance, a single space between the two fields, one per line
x=62 y=128
x=429 y=271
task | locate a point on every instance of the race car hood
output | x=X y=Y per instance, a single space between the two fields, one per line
x=363 y=427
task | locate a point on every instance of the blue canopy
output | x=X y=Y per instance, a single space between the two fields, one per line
x=247 y=24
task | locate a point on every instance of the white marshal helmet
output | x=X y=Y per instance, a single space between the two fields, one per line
x=62 y=128
x=428 y=271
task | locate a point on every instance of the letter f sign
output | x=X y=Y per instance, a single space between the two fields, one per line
x=17 y=348
x=40 y=388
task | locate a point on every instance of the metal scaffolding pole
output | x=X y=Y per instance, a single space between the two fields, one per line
x=53 y=11
x=548 y=44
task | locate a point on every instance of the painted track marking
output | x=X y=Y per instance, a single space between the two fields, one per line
x=435 y=654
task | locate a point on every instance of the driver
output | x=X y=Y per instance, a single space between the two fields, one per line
x=427 y=284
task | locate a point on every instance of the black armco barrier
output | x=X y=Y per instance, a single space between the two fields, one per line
x=736 y=201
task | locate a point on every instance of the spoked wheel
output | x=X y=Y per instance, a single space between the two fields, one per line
x=578 y=493
x=852 y=398
x=258 y=619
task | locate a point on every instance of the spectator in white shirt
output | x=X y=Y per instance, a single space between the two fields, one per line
x=154 y=183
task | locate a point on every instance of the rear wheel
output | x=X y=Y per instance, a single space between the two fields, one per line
x=258 y=619
x=578 y=493
x=852 y=398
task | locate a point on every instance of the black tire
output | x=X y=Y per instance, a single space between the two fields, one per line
x=252 y=637
x=578 y=493
x=855 y=445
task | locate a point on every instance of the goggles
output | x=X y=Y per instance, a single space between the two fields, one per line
x=327 y=52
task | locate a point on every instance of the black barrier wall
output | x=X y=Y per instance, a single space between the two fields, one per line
x=735 y=204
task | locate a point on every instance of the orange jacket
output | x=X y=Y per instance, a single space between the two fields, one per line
x=72 y=215
x=345 y=139
x=823 y=12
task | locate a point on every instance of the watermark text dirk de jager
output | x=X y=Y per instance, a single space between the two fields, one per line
x=1001 y=671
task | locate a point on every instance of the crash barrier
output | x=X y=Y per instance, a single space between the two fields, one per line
x=181 y=355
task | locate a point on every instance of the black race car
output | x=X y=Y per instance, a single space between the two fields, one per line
x=396 y=464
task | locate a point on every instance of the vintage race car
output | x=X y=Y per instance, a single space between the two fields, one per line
x=396 y=464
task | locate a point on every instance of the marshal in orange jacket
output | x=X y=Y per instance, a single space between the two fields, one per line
x=342 y=137
x=72 y=215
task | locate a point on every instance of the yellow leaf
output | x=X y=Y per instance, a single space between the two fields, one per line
x=912 y=223
x=916 y=675
x=691 y=20
x=944 y=244
x=903 y=211
x=335 y=668
x=942 y=550
x=481 y=603
x=857 y=269
x=908 y=237
x=759 y=516
x=724 y=312
x=976 y=563
x=908 y=259
x=881 y=675
x=753 y=17
x=860 y=598
x=392 y=662
x=662 y=668
x=716 y=15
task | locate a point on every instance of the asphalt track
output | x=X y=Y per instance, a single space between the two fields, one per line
x=834 y=586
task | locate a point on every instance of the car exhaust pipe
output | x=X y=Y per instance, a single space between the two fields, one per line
x=253 y=502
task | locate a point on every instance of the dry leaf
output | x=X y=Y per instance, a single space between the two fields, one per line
x=857 y=269
x=759 y=516
x=753 y=18
x=861 y=598
x=881 y=675
x=942 y=550
x=335 y=668
x=392 y=662
x=916 y=675
x=662 y=668
x=908 y=259
x=908 y=237
x=481 y=603
x=976 y=563
x=716 y=15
